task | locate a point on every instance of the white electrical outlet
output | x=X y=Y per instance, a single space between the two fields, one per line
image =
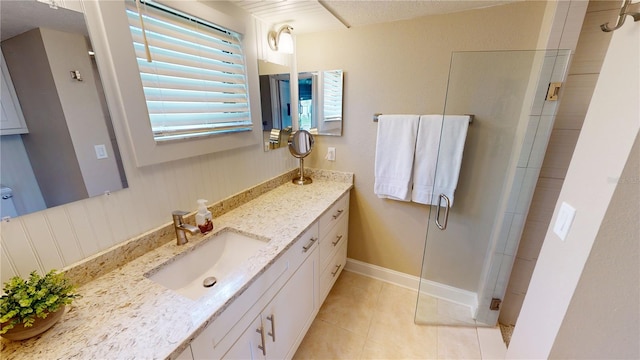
x=331 y=154
x=566 y=214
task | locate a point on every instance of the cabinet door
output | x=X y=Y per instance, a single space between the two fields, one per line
x=251 y=343
x=12 y=120
x=290 y=311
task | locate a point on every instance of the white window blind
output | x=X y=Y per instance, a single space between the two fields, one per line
x=195 y=84
x=332 y=95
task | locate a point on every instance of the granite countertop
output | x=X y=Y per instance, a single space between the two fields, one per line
x=122 y=314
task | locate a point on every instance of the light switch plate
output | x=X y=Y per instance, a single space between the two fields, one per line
x=101 y=151
x=565 y=218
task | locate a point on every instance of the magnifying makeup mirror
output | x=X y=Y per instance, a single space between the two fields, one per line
x=300 y=145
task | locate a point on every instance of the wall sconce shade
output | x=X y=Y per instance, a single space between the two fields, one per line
x=282 y=40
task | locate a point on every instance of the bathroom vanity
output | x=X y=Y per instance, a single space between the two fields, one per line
x=280 y=305
x=260 y=310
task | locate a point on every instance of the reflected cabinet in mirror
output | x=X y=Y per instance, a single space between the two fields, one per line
x=57 y=140
x=319 y=103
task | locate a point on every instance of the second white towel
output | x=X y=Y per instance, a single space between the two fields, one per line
x=442 y=148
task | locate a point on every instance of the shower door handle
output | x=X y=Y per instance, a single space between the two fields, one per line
x=446 y=212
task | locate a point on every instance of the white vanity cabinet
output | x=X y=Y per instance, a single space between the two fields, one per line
x=290 y=280
x=334 y=230
x=279 y=329
x=269 y=320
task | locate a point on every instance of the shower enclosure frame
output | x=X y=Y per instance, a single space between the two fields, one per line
x=514 y=85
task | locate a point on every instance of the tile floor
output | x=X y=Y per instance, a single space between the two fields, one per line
x=364 y=318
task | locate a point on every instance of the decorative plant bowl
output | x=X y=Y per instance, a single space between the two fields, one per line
x=19 y=332
x=37 y=302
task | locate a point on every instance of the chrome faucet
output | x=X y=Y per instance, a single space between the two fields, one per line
x=181 y=227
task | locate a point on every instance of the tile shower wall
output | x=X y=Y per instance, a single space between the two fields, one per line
x=576 y=95
x=60 y=236
x=540 y=123
x=534 y=192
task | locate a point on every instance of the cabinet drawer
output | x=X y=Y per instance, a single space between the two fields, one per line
x=332 y=271
x=304 y=246
x=332 y=241
x=336 y=212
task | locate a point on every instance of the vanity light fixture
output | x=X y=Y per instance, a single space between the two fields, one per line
x=282 y=40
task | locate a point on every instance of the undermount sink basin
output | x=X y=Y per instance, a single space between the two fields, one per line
x=208 y=263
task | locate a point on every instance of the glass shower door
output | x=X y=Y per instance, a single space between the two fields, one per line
x=470 y=243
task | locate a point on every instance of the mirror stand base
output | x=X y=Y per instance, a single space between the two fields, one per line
x=302 y=181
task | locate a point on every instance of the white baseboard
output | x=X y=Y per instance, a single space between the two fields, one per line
x=441 y=291
x=383 y=274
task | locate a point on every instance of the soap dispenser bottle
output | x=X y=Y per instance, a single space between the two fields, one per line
x=204 y=219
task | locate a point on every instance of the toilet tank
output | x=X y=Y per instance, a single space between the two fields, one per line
x=7 y=208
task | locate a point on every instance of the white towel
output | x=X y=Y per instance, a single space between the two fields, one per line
x=394 y=156
x=441 y=150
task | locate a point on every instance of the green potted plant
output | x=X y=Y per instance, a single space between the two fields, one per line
x=30 y=307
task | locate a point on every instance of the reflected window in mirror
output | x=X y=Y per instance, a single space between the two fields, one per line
x=319 y=102
x=67 y=150
x=307 y=83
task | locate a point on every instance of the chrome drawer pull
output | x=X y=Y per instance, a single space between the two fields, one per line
x=337 y=269
x=309 y=245
x=262 y=347
x=335 y=216
x=338 y=238
x=272 y=318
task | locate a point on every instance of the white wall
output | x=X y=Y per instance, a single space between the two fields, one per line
x=609 y=130
x=82 y=109
x=402 y=67
x=604 y=325
x=57 y=171
x=66 y=234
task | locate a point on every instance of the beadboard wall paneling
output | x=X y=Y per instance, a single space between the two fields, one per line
x=67 y=240
x=61 y=236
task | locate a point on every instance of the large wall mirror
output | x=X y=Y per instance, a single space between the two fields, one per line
x=63 y=148
x=320 y=95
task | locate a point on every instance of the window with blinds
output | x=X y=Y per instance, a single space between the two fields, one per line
x=332 y=95
x=193 y=73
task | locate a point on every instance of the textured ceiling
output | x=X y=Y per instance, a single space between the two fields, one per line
x=312 y=16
